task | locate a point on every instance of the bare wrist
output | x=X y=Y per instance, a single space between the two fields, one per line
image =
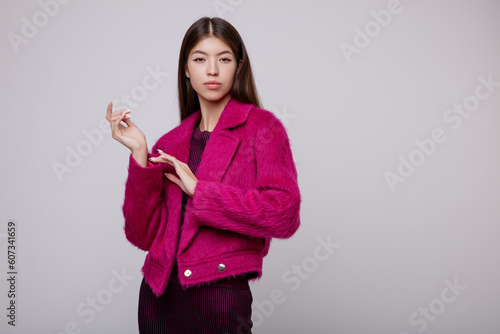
x=141 y=156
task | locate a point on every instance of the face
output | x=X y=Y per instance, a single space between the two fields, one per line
x=211 y=66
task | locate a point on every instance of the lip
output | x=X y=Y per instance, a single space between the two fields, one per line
x=212 y=84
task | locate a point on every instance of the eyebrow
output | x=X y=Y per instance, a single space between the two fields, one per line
x=204 y=53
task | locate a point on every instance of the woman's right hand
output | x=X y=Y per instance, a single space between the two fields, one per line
x=130 y=136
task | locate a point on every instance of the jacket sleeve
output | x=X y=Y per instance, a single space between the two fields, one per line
x=271 y=208
x=144 y=205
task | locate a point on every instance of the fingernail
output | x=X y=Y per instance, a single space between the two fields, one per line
x=159 y=150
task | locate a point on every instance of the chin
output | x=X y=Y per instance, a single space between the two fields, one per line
x=214 y=98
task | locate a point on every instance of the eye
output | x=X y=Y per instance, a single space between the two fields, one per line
x=226 y=60
x=198 y=59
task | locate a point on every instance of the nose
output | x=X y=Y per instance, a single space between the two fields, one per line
x=212 y=68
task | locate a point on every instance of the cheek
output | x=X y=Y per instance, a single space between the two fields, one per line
x=196 y=76
x=230 y=73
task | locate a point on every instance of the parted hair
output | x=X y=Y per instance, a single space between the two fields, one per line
x=243 y=88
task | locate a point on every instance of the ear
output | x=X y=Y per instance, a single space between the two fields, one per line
x=186 y=70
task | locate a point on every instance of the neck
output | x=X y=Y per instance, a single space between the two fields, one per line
x=211 y=111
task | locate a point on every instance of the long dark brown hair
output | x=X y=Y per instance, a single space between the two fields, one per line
x=243 y=86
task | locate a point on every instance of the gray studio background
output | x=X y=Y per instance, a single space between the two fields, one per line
x=392 y=109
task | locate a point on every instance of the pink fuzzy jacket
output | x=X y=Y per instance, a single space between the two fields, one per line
x=247 y=193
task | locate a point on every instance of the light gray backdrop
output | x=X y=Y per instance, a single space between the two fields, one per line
x=392 y=109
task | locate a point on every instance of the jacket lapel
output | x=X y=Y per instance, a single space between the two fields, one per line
x=178 y=141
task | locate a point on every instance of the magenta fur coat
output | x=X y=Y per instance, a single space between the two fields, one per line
x=247 y=193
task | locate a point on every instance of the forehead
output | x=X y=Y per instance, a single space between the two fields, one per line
x=211 y=44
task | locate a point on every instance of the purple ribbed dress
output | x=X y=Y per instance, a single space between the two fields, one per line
x=224 y=306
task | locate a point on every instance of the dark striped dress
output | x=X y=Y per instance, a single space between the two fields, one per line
x=221 y=307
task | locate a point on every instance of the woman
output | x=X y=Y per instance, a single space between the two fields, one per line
x=208 y=198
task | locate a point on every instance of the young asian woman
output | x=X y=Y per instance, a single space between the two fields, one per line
x=208 y=198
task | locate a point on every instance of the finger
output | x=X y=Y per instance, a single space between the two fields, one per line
x=117 y=117
x=119 y=112
x=116 y=114
x=160 y=159
x=109 y=111
x=177 y=181
x=125 y=115
x=180 y=167
x=173 y=178
x=164 y=155
x=168 y=157
x=127 y=121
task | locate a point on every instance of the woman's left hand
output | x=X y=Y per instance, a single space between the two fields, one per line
x=187 y=181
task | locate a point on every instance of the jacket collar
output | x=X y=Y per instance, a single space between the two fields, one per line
x=234 y=113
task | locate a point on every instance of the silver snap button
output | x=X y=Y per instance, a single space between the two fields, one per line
x=222 y=267
x=187 y=273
